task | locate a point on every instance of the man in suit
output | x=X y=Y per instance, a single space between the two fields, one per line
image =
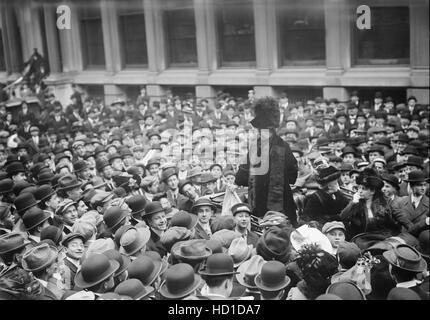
x=172 y=116
x=205 y=209
x=170 y=178
x=242 y=214
x=34 y=142
x=412 y=211
x=217 y=116
x=406 y=263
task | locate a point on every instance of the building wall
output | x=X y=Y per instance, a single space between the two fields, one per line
x=267 y=74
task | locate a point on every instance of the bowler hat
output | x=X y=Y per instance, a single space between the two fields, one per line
x=68 y=182
x=191 y=250
x=101 y=163
x=24 y=202
x=43 y=192
x=113 y=216
x=144 y=269
x=423 y=237
x=240 y=251
x=133 y=288
x=39 y=257
x=180 y=281
x=183 y=219
x=326 y=175
x=6 y=186
x=153 y=160
x=152 y=208
x=406 y=258
x=14 y=168
x=182 y=184
x=415 y=161
x=133 y=240
x=272 y=277
x=218 y=264
x=114 y=156
x=249 y=270
x=45 y=178
x=203 y=202
x=348 y=149
x=12 y=241
x=274 y=244
x=391 y=179
x=53 y=233
x=94 y=270
x=123 y=260
x=346 y=291
x=137 y=205
x=79 y=166
x=34 y=217
x=167 y=173
x=416 y=176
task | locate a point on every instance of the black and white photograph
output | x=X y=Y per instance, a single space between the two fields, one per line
x=200 y=150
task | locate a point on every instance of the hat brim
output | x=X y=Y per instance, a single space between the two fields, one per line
x=47 y=196
x=176 y=252
x=194 y=207
x=79 y=184
x=145 y=292
x=165 y=293
x=390 y=256
x=46 y=217
x=81 y=283
x=260 y=285
x=329 y=178
x=147 y=214
x=248 y=255
x=146 y=236
x=52 y=257
x=66 y=240
x=22 y=245
x=125 y=263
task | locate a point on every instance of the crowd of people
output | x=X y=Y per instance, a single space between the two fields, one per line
x=147 y=199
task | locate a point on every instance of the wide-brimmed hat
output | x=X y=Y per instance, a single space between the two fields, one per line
x=191 y=250
x=417 y=176
x=100 y=246
x=134 y=289
x=306 y=235
x=406 y=257
x=133 y=240
x=95 y=269
x=249 y=270
x=180 y=281
x=272 y=277
x=326 y=175
x=12 y=241
x=183 y=219
x=369 y=179
x=240 y=251
x=145 y=269
x=24 y=202
x=113 y=216
x=348 y=149
x=34 y=217
x=68 y=182
x=123 y=260
x=39 y=257
x=44 y=192
x=346 y=291
x=203 y=202
x=225 y=237
x=274 y=244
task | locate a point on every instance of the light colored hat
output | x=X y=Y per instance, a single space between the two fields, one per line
x=328 y=226
x=100 y=246
x=307 y=235
x=240 y=251
x=249 y=270
x=133 y=240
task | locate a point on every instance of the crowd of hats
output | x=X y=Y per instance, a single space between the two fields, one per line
x=374 y=146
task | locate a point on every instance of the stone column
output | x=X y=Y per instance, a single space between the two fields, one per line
x=10 y=41
x=154 y=38
x=110 y=36
x=51 y=38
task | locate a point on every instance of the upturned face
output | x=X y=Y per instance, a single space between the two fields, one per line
x=158 y=221
x=75 y=248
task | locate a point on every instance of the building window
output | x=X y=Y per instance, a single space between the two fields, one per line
x=302 y=32
x=181 y=33
x=92 y=36
x=236 y=33
x=131 y=20
x=387 y=42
